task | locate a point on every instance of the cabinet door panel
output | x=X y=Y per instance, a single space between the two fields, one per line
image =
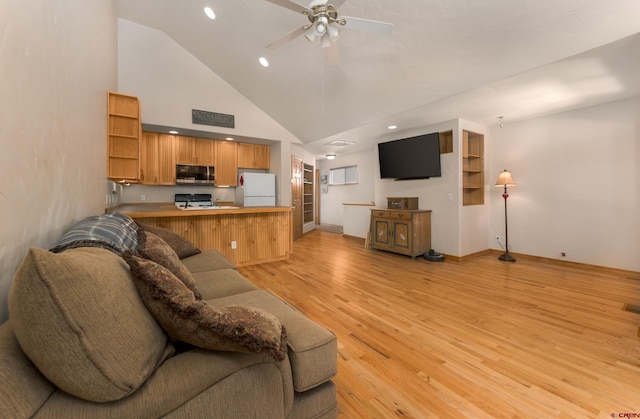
x=402 y=235
x=246 y=155
x=226 y=167
x=148 y=154
x=186 y=150
x=262 y=156
x=381 y=232
x=205 y=151
x=166 y=158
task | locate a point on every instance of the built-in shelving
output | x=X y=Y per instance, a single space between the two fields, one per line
x=124 y=130
x=472 y=168
x=307 y=192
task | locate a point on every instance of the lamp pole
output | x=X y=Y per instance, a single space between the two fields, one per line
x=506 y=256
x=505 y=179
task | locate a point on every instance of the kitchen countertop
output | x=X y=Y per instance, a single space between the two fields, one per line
x=168 y=209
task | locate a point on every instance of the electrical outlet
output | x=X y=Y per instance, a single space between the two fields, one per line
x=143 y=197
x=233 y=244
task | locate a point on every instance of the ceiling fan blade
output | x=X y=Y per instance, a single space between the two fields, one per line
x=333 y=54
x=289 y=5
x=367 y=25
x=287 y=38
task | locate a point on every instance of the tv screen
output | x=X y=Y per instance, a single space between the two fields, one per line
x=410 y=158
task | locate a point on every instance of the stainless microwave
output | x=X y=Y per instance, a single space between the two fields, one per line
x=190 y=174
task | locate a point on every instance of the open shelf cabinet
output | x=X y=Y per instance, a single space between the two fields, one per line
x=307 y=192
x=123 y=142
x=472 y=168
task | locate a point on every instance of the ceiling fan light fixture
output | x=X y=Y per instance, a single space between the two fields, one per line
x=333 y=32
x=310 y=35
x=325 y=41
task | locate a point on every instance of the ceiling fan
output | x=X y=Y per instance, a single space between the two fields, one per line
x=325 y=25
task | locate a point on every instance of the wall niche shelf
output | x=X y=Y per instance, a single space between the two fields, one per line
x=307 y=192
x=472 y=168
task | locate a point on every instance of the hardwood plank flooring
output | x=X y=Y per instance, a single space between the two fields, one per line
x=477 y=338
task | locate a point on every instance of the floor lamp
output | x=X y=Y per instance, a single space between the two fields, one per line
x=505 y=180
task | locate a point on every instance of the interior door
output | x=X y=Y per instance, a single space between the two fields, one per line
x=296 y=196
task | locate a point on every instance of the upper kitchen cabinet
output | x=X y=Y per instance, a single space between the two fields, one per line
x=157 y=159
x=226 y=167
x=123 y=138
x=190 y=150
x=253 y=156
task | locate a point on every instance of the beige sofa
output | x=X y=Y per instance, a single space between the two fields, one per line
x=82 y=343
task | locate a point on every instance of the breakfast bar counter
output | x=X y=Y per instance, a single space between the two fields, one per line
x=244 y=235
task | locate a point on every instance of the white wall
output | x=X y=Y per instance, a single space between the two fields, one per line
x=57 y=61
x=578 y=177
x=170 y=82
x=433 y=194
x=331 y=202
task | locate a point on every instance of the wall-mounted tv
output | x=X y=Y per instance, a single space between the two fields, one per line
x=410 y=158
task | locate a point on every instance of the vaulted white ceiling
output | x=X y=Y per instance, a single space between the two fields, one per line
x=444 y=59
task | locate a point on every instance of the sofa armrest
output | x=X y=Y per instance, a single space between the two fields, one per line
x=23 y=389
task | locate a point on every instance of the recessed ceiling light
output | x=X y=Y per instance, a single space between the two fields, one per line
x=209 y=12
x=392 y=127
x=263 y=62
x=173 y=131
x=340 y=143
x=229 y=138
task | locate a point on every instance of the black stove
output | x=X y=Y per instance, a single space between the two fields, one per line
x=194 y=200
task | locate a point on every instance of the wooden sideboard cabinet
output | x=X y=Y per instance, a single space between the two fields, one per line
x=407 y=232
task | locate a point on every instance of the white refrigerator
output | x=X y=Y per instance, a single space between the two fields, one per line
x=256 y=190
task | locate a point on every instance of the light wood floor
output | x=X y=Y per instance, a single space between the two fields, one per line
x=479 y=338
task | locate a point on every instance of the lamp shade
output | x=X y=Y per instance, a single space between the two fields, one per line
x=505 y=179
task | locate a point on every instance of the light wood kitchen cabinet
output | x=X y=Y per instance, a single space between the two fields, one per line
x=407 y=232
x=205 y=152
x=253 y=156
x=186 y=150
x=192 y=150
x=123 y=137
x=226 y=166
x=157 y=159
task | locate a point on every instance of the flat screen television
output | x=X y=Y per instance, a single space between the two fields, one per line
x=410 y=158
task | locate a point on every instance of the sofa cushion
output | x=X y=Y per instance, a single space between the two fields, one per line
x=222 y=282
x=313 y=351
x=154 y=248
x=183 y=247
x=230 y=328
x=207 y=260
x=79 y=319
x=112 y=231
